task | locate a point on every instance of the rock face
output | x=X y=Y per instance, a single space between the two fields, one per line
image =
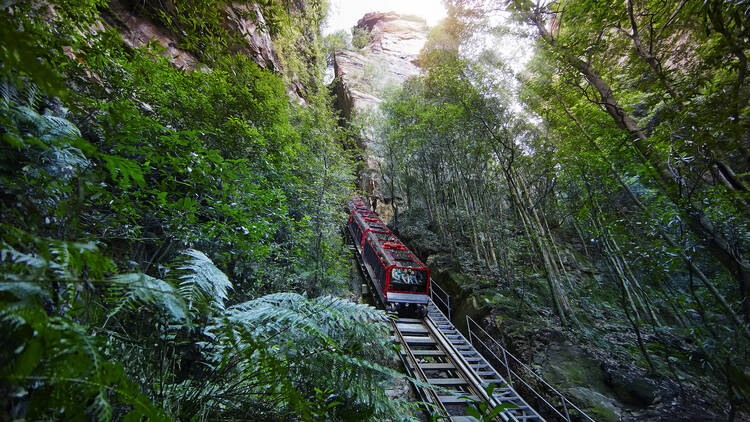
x=361 y=78
x=259 y=44
x=398 y=38
x=137 y=30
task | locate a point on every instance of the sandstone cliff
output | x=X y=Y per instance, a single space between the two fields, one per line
x=137 y=28
x=361 y=78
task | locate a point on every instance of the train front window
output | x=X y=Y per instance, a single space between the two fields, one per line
x=408 y=280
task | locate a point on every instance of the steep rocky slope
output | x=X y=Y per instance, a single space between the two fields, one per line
x=362 y=77
x=137 y=27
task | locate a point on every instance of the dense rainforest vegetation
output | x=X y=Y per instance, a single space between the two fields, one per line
x=602 y=190
x=171 y=238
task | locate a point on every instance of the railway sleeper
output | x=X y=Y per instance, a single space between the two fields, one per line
x=458 y=400
x=418 y=340
x=463 y=419
x=446 y=381
x=436 y=365
x=411 y=328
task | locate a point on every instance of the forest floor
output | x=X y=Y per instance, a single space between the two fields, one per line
x=595 y=364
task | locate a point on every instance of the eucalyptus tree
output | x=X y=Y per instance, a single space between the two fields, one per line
x=585 y=37
x=690 y=166
x=651 y=97
x=468 y=145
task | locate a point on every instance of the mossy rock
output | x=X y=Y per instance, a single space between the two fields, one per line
x=569 y=365
x=598 y=406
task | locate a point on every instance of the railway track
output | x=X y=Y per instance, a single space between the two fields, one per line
x=435 y=353
x=429 y=359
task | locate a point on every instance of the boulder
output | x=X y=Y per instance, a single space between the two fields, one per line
x=595 y=404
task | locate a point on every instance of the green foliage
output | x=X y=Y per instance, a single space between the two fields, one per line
x=483 y=412
x=128 y=205
x=301 y=47
x=282 y=344
x=204 y=284
x=641 y=226
x=339 y=40
x=144 y=289
x=360 y=37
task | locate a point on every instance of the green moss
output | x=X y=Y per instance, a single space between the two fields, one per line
x=602 y=413
x=595 y=404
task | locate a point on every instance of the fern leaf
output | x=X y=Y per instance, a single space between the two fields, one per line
x=203 y=282
x=24 y=291
x=63 y=162
x=143 y=288
x=59 y=128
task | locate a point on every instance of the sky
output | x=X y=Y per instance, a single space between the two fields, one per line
x=345 y=13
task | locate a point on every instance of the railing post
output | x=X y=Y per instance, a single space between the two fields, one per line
x=449 y=307
x=565 y=406
x=505 y=358
x=468 y=330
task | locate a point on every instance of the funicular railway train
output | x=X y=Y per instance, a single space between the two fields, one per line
x=400 y=280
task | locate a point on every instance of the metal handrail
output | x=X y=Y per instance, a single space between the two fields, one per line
x=435 y=293
x=506 y=353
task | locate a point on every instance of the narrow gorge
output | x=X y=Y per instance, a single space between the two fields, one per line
x=177 y=178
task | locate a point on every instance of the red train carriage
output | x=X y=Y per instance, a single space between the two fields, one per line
x=400 y=279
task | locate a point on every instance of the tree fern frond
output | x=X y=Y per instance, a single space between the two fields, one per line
x=28 y=120
x=24 y=291
x=59 y=128
x=63 y=162
x=62 y=270
x=9 y=92
x=142 y=288
x=100 y=407
x=30 y=94
x=203 y=282
x=45 y=127
x=358 y=312
x=33 y=268
x=270 y=316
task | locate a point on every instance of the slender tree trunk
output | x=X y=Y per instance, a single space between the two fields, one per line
x=666 y=236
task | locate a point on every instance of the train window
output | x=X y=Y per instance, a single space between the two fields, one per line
x=408 y=280
x=402 y=255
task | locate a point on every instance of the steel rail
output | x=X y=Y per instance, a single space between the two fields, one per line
x=416 y=371
x=457 y=371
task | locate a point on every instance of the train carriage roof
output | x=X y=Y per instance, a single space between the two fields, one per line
x=392 y=251
x=366 y=219
x=389 y=248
